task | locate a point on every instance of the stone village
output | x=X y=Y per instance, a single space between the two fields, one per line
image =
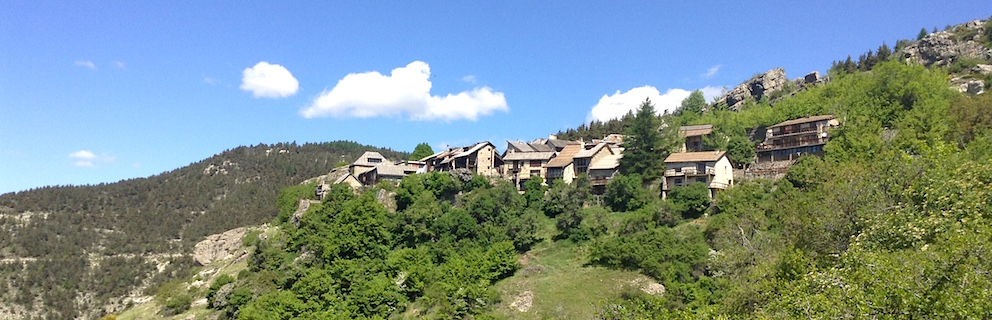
x=550 y=159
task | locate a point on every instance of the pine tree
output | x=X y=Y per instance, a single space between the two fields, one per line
x=644 y=152
x=923 y=33
x=883 y=53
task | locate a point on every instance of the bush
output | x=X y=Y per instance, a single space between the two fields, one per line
x=177 y=304
x=220 y=282
x=626 y=193
x=691 y=201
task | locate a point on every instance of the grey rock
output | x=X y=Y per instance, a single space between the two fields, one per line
x=218 y=246
x=942 y=49
x=756 y=87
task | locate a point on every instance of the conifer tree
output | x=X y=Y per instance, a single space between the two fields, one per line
x=644 y=152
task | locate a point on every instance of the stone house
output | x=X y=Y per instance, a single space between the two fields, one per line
x=480 y=158
x=522 y=160
x=584 y=159
x=561 y=166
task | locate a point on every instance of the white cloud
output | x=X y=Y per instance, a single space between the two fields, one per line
x=711 y=72
x=85 y=158
x=266 y=80
x=87 y=64
x=406 y=90
x=618 y=104
x=83 y=155
x=469 y=79
x=211 y=81
x=120 y=65
x=711 y=92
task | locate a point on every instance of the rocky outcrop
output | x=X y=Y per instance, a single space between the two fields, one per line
x=218 y=246
x=972 y=87
x=757 y=87
x=943 y=48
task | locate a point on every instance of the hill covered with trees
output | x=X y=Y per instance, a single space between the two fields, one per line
x=67 y=250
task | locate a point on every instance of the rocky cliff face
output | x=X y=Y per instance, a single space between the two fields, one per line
x=943 y=48
x=757 y=87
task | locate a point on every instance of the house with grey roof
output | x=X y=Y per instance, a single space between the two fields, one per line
x=371 y=167
x=480 y=158
x=522 y=161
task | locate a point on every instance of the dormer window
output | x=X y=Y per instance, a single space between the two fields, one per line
x=375 y=160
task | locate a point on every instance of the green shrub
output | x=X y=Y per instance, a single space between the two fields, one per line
x=690 y=201
x=220 y=282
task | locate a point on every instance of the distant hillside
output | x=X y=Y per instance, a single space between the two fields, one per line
x=64 y=249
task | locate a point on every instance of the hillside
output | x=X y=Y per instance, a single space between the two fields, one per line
x=892 y=222
x=113 y=239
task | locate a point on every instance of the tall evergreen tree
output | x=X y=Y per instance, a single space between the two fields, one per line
x=644 y=152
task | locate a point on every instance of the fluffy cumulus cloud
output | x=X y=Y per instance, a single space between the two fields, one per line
x=266 y=80
x=86 y=158
x=406 y=90
x=618 y=104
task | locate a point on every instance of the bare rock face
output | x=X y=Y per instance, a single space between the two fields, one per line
x=757 y=87
x=983 y=69
x=942 y=48
x=218 y=246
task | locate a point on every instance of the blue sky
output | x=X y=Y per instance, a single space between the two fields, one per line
x=99 y=91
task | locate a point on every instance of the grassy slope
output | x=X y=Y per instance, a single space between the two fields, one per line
x=562 y=285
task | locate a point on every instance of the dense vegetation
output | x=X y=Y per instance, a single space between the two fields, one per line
x=49 y=235
x=352 y=258
x=893 y=221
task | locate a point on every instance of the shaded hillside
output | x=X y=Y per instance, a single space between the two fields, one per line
x=107 y=238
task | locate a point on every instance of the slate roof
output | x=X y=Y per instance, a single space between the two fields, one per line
x=703 y=156
x=561 y=144
x=528 y=156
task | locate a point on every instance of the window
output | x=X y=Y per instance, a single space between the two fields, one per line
x=535 y=163
x=703 y=180
x=375 y=160
x=678 y=181
x=535 y=172
x=701 y=167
